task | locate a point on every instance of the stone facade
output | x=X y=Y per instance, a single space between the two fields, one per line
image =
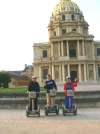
x=70 y=49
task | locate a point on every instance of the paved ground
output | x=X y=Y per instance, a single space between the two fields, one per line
x=82 y=87
x=15 y=122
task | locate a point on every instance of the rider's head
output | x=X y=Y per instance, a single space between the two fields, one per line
x=68 y=79
x=48 y=76
x=34 y=78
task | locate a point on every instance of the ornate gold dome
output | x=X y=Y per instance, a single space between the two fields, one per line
x=66 y=5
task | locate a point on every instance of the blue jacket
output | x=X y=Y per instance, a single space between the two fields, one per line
x=50 y=84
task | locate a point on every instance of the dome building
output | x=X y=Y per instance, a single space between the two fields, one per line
x=70 y=49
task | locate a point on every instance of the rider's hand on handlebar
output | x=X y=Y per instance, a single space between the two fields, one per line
x=27 y=92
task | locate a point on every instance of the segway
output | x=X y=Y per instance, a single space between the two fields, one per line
x=55 y=108
x=69 y=107
x=32 y=95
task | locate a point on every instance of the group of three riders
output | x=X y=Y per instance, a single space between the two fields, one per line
x=48 y=85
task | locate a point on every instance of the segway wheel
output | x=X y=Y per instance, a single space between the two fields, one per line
x=39 y=113
x=46 y=112
x=75 y=112
x=27 y=113
x=63 y=112
x=57 y=112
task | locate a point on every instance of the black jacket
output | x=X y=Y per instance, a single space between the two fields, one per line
x=34 y=86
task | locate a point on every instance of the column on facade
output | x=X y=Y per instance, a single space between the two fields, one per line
x=52 y=54
x=63 y=72
x=49 y=53
x=62 y=48
x=68 y=68
x=87 y=71
x=80 y=77
x=93 y=48
x=79 y=29
x=40 y=74
x=67 y=49
x=49 y=70
x=94 y=66
x=53 y=72
x=78 y=48
x=59 y=48
x=60 y=73
x=96 y=71
x=83 y=47
x=58 y=31
x=85 y=77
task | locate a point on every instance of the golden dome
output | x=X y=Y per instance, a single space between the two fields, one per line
x=66 y=6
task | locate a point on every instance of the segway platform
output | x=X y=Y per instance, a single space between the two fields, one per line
x=69 y=107
x=50 y=110
x=32 y=95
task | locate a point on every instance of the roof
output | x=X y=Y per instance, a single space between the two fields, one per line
x=28 y=68
x=97 y=42
x=41 y=44
x=16 y=74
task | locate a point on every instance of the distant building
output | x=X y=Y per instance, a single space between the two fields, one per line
x=70 y=49
x=20 y=78
x=28 y=71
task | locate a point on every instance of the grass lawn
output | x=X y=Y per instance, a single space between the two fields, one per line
x=16 y=90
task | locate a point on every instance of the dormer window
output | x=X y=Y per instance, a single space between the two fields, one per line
x=64 y=31
x=72 y=8
x=63 y=17
x=73 y=17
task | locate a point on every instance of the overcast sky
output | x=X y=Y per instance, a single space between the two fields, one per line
x=24 y=22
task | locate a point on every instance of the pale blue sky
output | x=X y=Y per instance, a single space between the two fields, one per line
x=20 y=27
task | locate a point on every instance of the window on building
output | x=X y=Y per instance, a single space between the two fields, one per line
x=73 y=17
x=63 y=31
x=45 y=72
x=72 y=52
x=54 y=33
x=74 y=30
x=98 y=71
x=44 y=53
x=63 y=17
x=98 y=51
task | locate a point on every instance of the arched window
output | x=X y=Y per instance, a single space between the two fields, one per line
x=63 y=31
x=73 y=17
x=63 y=17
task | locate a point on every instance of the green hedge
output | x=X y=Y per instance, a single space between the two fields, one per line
x=16 y=90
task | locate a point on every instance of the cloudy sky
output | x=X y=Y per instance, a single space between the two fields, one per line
x=24 y=22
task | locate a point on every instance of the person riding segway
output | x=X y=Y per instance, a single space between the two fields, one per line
x=33 y=92
x=69 y=91
x=51 y=91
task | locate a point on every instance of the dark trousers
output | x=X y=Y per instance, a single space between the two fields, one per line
x=34 y=103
